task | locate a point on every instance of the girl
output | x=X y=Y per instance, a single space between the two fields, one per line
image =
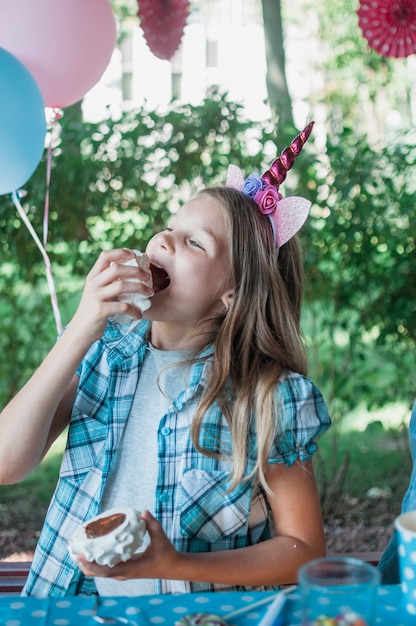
x=201 y=412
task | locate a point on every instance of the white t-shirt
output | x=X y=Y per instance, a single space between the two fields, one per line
x=133 y=476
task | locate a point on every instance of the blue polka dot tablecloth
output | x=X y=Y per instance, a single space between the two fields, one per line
x=166 y=610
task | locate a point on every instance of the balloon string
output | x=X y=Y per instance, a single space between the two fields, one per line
x=51 y=284
x=56 y=116
x=48 y=182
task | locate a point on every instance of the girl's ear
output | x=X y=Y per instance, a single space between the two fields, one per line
x=227 y=299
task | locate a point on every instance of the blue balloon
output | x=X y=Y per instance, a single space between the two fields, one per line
x=22 y=123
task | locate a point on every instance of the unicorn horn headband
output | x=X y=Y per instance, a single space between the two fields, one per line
x=286 y=215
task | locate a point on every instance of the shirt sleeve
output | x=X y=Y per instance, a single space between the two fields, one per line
x=302 y=416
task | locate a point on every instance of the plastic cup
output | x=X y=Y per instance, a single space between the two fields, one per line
x=405 y=525
x=338 y=590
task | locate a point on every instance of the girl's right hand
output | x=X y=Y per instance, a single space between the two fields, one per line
x=107 y=281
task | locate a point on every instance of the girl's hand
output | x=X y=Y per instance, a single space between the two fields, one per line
x=157 y=561
x=107 y=281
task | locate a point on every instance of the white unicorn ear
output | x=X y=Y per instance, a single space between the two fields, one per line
x=235 y=177
x=289 y=217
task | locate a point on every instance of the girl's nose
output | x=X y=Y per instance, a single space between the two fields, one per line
x=166 y=241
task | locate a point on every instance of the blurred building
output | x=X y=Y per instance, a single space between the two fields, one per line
x=222 y=48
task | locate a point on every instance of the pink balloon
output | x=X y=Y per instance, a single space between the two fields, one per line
x=65 y=44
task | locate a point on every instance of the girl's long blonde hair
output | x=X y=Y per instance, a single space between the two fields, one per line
x=258 y=340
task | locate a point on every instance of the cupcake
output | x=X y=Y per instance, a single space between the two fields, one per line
x=159 y=280
x=109 y=538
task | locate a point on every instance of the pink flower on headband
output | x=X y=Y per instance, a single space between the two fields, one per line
x=267 y=199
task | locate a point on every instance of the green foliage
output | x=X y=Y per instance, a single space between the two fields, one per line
x=114 y=183
x=359 y=253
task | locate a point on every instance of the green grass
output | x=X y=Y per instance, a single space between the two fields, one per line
x=365 y=457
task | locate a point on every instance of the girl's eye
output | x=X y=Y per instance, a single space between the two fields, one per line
x=196 y=244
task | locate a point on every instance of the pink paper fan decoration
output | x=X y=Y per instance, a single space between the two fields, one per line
x=389 y=26
x=163 y=23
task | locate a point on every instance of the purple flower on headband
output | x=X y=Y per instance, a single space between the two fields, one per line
x=267 y=199
x=252 y=185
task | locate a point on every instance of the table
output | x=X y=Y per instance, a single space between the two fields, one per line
x=164 y=610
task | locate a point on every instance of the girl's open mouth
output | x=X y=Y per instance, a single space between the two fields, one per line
x=160 y=278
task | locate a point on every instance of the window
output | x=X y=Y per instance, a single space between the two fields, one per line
x=212 y=53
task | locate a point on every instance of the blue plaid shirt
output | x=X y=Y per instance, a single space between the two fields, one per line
x=192 y=503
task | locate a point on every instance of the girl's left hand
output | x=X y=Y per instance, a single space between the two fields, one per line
x=157 y=561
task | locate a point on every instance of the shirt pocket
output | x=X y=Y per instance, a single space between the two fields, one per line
x=208 y=511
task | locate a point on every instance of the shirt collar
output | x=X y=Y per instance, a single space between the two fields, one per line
x=126 y=341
